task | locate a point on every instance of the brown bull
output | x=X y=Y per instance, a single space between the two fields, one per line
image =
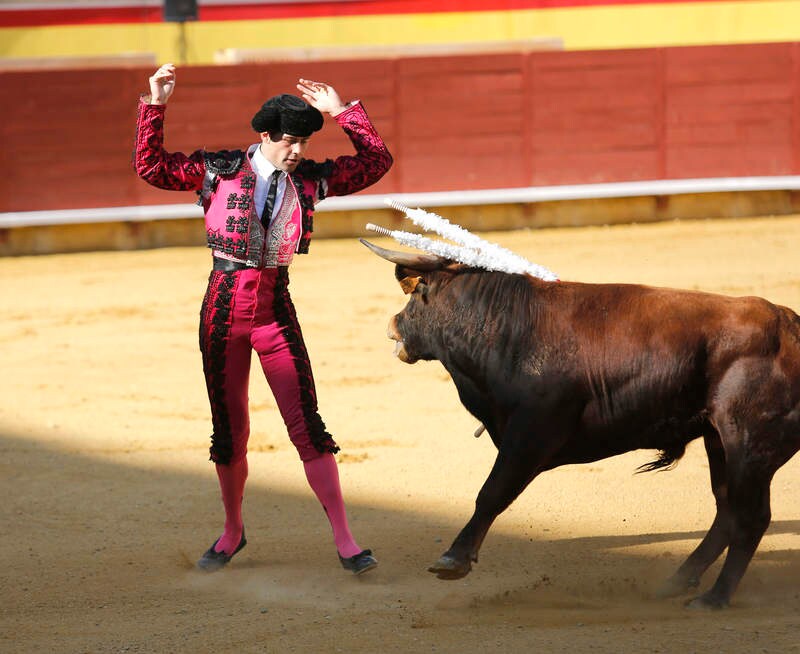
x=563 y=372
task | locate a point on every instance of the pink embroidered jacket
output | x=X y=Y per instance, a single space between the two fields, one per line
x=226 y=182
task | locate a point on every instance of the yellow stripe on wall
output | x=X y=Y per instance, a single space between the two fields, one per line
x=580 y=28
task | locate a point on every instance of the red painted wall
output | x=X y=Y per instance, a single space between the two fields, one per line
x=452 y=123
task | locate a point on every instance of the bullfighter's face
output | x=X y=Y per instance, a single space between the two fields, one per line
x=284 y=151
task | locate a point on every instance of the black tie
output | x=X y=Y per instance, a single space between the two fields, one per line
x=269 y=205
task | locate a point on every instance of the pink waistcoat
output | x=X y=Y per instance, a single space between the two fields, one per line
x=233 y=229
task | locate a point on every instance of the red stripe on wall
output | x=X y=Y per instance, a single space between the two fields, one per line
x=79 y=16
x=138 y=14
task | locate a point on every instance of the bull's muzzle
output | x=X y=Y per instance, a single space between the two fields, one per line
x=399 y=348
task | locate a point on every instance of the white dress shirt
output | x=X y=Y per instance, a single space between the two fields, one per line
x=264 y=170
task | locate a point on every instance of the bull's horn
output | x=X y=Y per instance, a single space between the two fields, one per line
x=421 y=262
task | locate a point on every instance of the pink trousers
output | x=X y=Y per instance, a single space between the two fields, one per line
x=247 y=310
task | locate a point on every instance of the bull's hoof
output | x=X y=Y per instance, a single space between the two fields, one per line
x=675 y=587
x=706 y=602
x=449 y=568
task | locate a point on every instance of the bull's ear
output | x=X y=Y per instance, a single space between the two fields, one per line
x=409 y=284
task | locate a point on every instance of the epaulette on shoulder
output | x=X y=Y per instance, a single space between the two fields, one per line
x=223 y=162
x=310 y=169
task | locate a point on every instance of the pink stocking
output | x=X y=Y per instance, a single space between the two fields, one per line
x=323 y=477
x=231 y=483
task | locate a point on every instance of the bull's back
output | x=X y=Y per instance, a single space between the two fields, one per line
x=643 y=355
x=643 y=318
x=649 y=366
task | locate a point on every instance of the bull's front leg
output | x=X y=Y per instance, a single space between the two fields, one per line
x=518 y=461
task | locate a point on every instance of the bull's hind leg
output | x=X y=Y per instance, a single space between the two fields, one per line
x=749 y=502
x=718 y=536
x=750 y=518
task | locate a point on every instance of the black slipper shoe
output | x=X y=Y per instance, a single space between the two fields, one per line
x=212 y=560
x=360 y=563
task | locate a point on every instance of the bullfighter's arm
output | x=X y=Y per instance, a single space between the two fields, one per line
x=348 y=173
x=352 y=173
x=172 y=171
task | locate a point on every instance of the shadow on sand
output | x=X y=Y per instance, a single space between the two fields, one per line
x=98 y=556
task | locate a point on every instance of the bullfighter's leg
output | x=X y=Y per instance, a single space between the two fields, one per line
x=305 y=427
x=518 y=461
x=225 y=346
x=718 y=536
x=278 y=340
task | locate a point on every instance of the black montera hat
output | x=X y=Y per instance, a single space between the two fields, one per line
x=287 y=114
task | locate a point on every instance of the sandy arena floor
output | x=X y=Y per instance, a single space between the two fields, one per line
x=109 y=497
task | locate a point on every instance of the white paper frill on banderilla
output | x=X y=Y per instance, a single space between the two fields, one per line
x=469 y=249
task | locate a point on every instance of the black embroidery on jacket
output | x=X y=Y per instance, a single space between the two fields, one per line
x=306 y=211
x=224 y=162
x=315 y=171
x=226 y=244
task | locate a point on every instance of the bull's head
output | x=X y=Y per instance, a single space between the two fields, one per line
x=419 y=276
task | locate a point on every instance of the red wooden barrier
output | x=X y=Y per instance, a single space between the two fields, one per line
x=452 y=123
x=730 y=109
x=596 y=116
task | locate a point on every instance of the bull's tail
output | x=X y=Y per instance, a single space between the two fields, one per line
x=667 y=459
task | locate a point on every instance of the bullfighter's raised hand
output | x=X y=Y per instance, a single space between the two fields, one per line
x=162 y=84
x=321 y=96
